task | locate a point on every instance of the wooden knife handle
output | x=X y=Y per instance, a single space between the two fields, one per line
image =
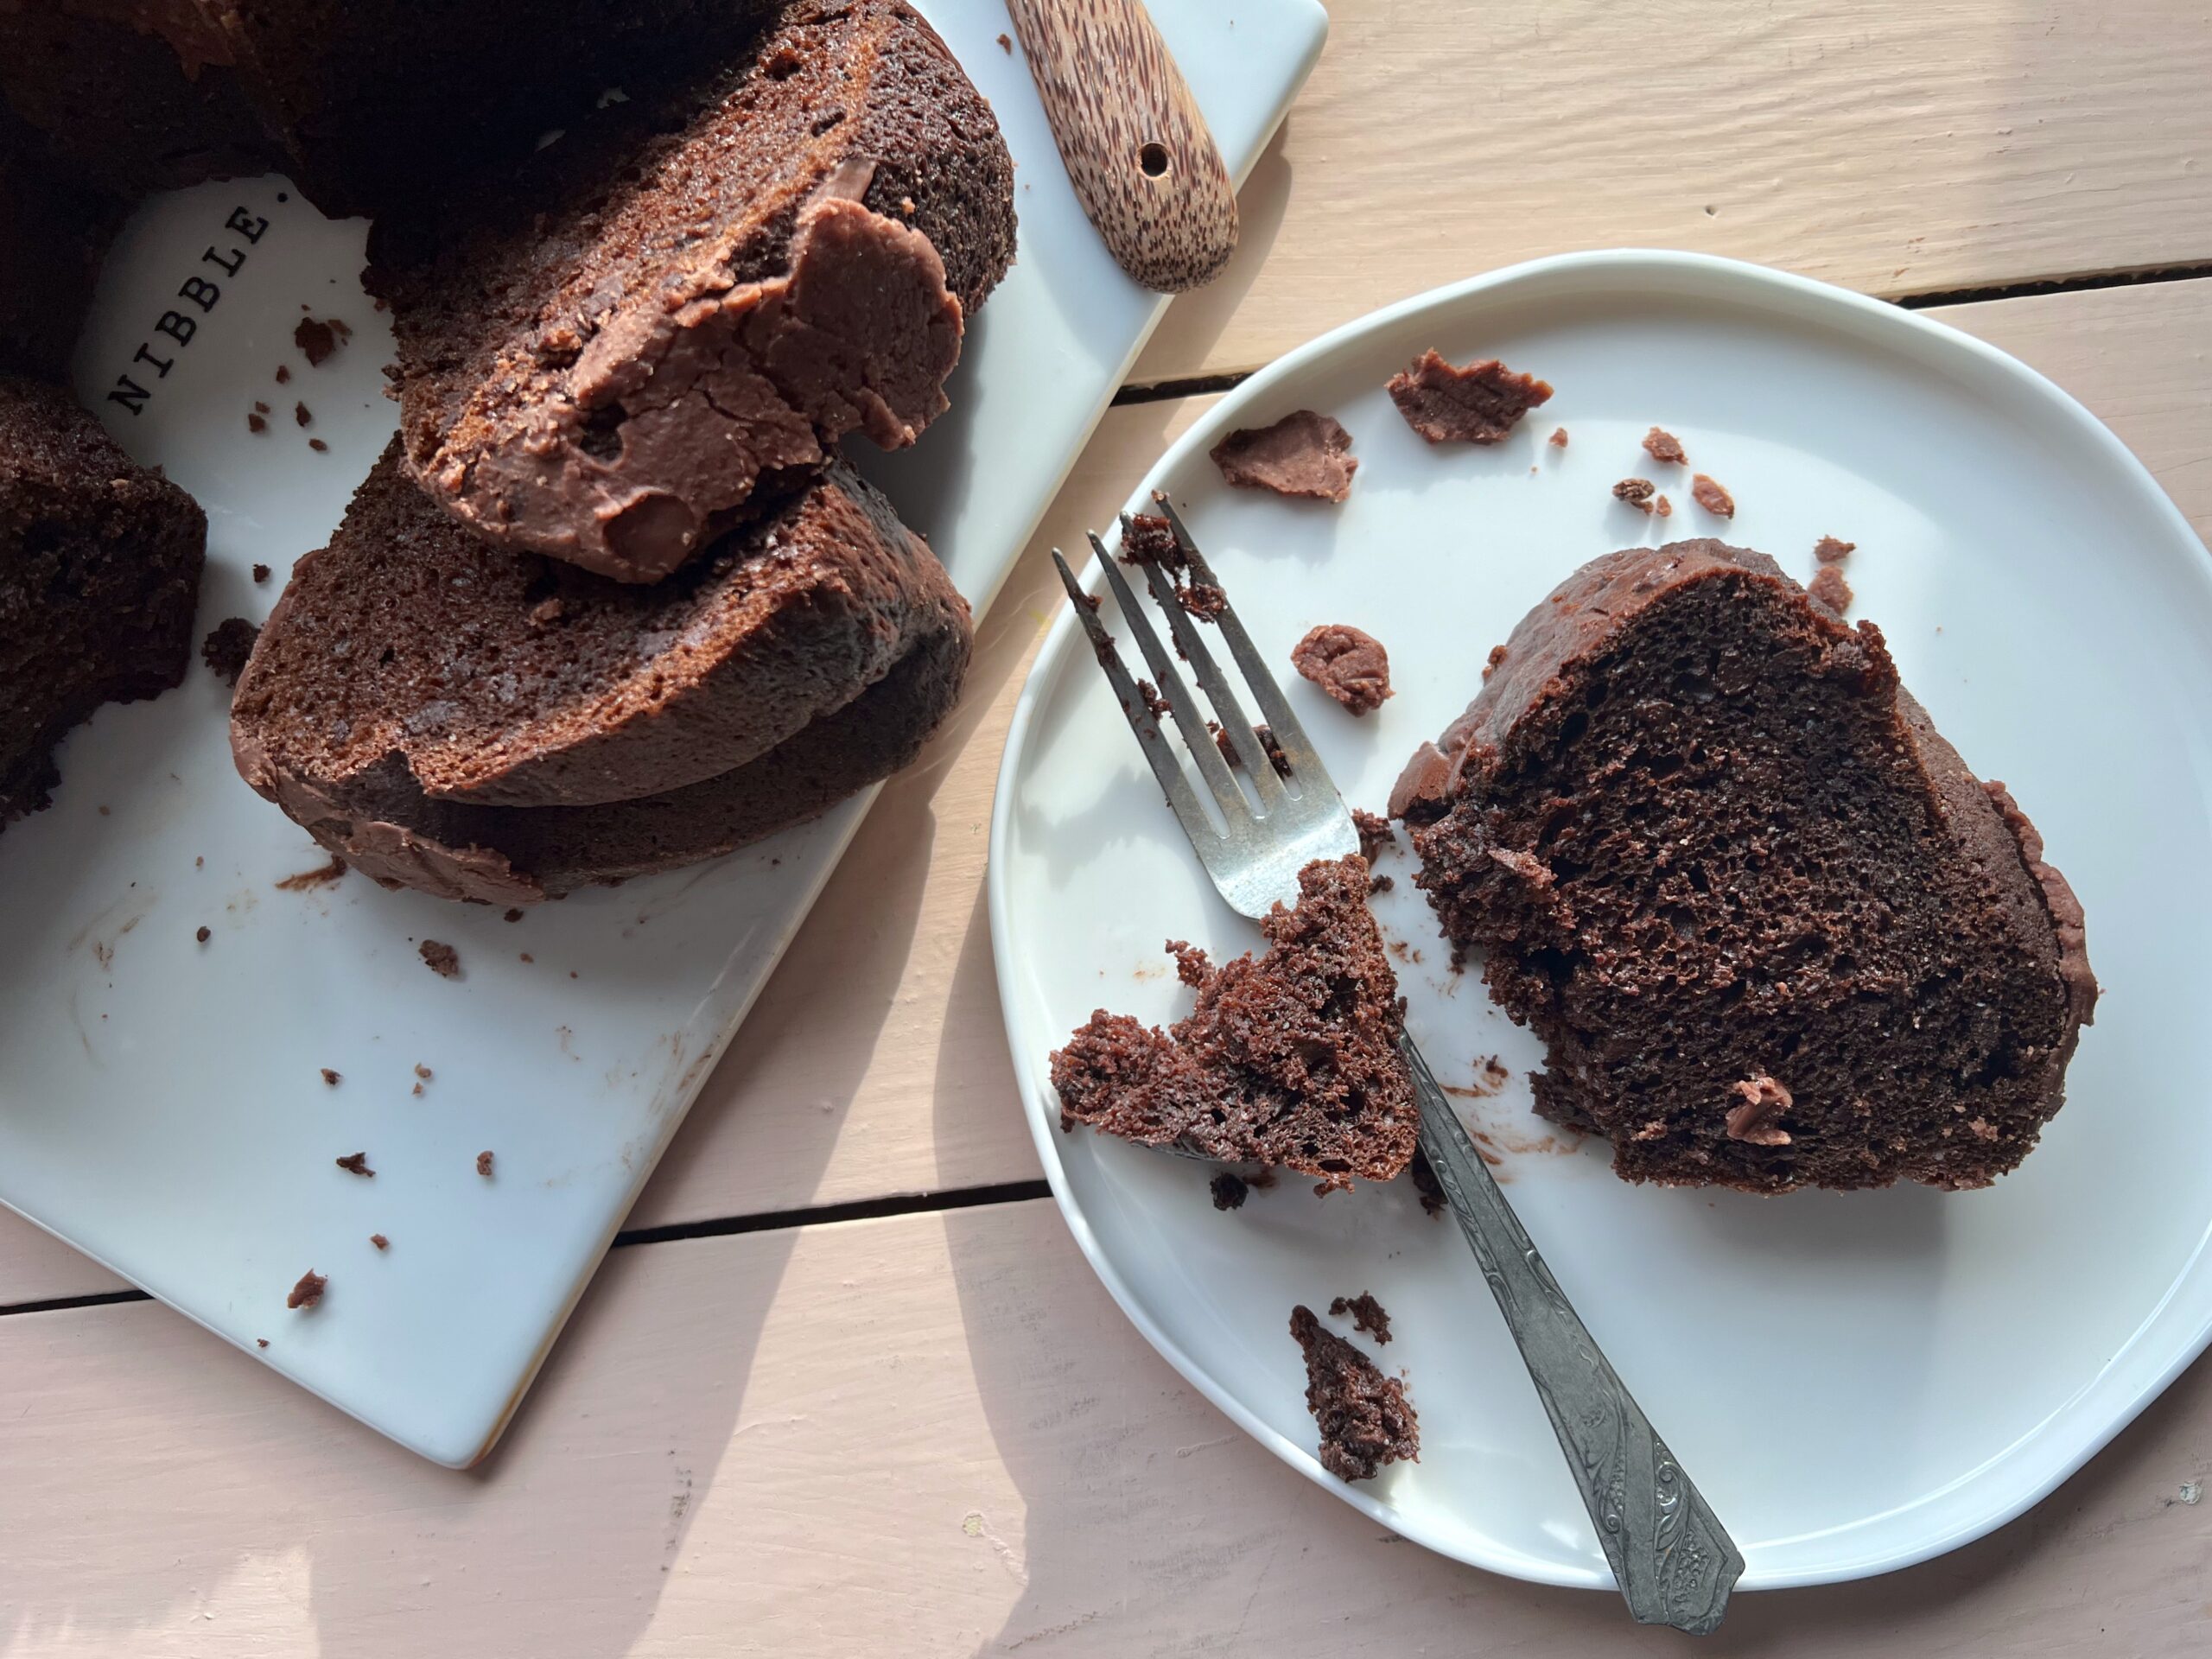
x=1144 y=165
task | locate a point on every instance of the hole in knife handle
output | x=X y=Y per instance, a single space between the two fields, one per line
x=1153 y=158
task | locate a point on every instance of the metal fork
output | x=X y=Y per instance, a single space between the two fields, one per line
x=1671 y=1558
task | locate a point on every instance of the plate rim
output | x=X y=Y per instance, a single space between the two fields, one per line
x=2077 y=1429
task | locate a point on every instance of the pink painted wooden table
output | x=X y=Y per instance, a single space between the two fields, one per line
x=846 y=1387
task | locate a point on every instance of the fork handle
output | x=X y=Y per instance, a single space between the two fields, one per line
x=1674 y=1561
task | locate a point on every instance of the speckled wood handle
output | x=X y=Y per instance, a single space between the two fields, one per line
x=1674 y=1561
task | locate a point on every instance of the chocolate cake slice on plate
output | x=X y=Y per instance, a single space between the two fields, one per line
x=606 y=352
x=447 y=713
x=1288 y=1060
x=100 y=571
x=1772 y=931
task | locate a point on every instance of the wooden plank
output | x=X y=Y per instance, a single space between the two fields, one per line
x=875 y=1063
x=1894 y=146
x=922 y=1436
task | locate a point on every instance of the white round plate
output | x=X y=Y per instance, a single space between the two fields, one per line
x=1857 y=1381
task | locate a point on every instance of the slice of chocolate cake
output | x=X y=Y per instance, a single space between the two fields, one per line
x=447 y=715
x=392 y=832
x=505 y=679
x=1288 y=1060
x=1772 y=931
x=99 y=570
x=1364 y=1417
x=606 y=352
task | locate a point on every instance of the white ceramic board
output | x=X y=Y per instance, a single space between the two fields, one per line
x=1855 y=1380
x=160 y=1101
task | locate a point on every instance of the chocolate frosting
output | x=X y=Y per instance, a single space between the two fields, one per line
x=711 y=392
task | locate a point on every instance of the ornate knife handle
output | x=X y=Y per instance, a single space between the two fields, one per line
x=1674 y=1561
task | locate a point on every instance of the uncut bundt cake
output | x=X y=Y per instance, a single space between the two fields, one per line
x=99 y=570
x=605 y=351
x=1770 y=929
x=446 y=714
x=1288 y=1060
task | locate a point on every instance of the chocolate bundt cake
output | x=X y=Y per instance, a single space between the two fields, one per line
x=1288 y=1060
x=446 y=714
x=607 y=351
x=99 y=570
x=1772 y=931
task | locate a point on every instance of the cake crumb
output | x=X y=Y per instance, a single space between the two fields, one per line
x=484 y=1165
x=330 y=1077
x=1376 y=835
x=283 y=375
x=318 y=446
x=1364 y=1417
x=322 y=876
x=1828 y=550
x=423 y=1072
x=203 y=936
x=1229 y=1190
x=1006 y=44
x=1350 y=665
x=357 y=1163
x=261 y=1342
x=442 y=959
x=417 y=1090
x=317 y=341
x=1707 y=494
x=379 y=1241
x=1432 y=1200
x=1479 y=404
x=1152 y=700
x=1828 y=586
x=260 y=573
x=1558 y=437
x=1203 y=600
x=226 y=647
x=1636 y=491
x=514 y=915
x=1367 y=1314
x=526 y=956
x=301 y=414
x=1380 y=884
x=1664 y=447
x=1497 y=658
x=1306 y=454
x=255 y=422
x=308 y=1292
x=1662 y=507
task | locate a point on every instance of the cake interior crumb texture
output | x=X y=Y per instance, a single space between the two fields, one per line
x=1288 y=1060
x=1481 y=402
x=1771 y=929
x=1364 y=1417
x=99 y=572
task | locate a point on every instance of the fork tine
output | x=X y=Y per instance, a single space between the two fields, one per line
x=1192 y=644
x=1290 y=736
x=1199 y=741
x=1165 y=766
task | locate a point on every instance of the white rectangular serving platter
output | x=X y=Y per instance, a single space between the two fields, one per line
x=161 y=1105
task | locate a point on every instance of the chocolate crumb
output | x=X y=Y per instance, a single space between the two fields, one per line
x=1425 y=1182
x=423 y=1072
x=227 y=646
x=1662 y=507
x=1203 y=600
x=415 y=1091
x=526 y=956
x=1350 y=665
x=318 y=446
x=301 y=414
x=330 y=1077
x=484 y=1165
x=357 y=1163
x=316 y=340
x=1276 y=757
x=202 y=936
x=1708 y=494
x=308 y=1292
x=1305 y=454
x=1153 y=700
x=1376 y=835
x=1558 y=437
x=1006 y=45
x=442 y=959
x=1663 y=446
x=254 y=424
x=1380 y=884
x=1479 y=404
x=1828 y=586
x=260 y=573
x=283 y=374
x=379 y=1241
x=514 y=916
x=1636 y=491
x=1229 y=1190
x=322 y=876
x=1828 y=550
x=1367 y=1314
x=261 y=1342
